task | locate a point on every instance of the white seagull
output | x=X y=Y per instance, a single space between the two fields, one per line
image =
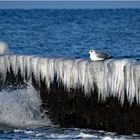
x=95 y=56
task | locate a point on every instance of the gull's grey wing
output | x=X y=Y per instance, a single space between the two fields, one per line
x=102 y=55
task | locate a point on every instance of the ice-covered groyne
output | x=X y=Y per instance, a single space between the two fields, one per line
x=80 y=93
x=113 y=77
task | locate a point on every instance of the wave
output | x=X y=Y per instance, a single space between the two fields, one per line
x=21 y=108
x=3 y=48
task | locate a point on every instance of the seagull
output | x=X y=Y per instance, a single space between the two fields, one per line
x=95 y=56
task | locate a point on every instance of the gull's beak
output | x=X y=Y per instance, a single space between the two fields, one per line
x=89 y=52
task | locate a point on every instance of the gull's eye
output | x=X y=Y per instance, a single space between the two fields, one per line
x=91 y=51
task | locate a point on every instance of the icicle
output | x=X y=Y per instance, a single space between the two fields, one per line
x=133 y=82
x=3 y=68
x=27 y=66
x=35 y=68
x=45 y=70
x=97 y=75
x=7 y=62
x=82 y=74
x=59 y=69
x=13 y=64
x=116 y=78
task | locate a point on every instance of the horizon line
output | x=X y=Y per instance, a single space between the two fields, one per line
x=69 y=4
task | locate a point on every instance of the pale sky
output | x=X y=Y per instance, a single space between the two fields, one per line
x=68 y=4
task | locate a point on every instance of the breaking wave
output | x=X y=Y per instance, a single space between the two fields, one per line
x=3 y=48
x=21 y=108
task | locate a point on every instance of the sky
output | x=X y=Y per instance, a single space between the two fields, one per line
x=56 y=4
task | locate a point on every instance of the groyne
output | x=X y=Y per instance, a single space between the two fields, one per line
x=80 y=93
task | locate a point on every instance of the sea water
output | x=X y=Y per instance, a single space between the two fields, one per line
x=61 y=34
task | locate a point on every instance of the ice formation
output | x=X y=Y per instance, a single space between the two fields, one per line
x=112 y=77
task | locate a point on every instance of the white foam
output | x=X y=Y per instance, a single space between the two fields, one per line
x=107 y=138
x=83 y=135
x=115 y=138
x=113 y=77
x=3 y=48
x=21 y=108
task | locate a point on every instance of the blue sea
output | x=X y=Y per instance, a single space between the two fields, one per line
x=67 y=34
